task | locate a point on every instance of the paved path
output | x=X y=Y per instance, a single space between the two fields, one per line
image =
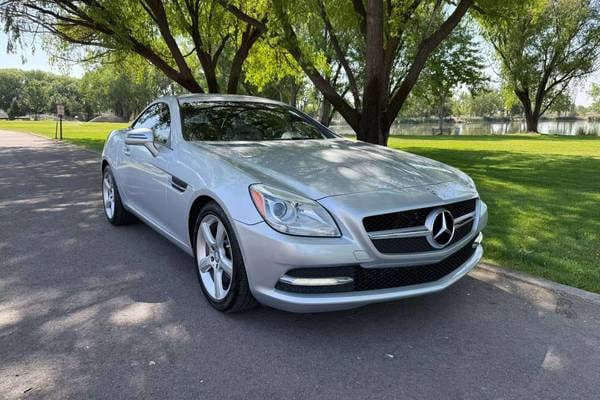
x=88 y=310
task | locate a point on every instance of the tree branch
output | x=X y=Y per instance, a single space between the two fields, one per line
x=350 y=114
x=359 y=8
x=426 y=47
x=243 y=16
x=340 y=54
x=156 y=11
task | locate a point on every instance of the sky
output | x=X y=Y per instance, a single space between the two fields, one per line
x=40 y=60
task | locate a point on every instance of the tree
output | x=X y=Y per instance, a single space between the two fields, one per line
x=165 y=33
x=595 y=94
x=457 y=61
x=271 y=71
x=11 y=84
x=389 y=45
x=563 y=105
x=35 y=94
x=488 y=103
x=461 y=104
x=123 y=86
x=15 y=109
x=544 y=45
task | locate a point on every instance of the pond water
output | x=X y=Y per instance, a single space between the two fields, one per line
x=485 y=128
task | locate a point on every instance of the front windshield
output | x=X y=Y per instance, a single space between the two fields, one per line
x=246 y=121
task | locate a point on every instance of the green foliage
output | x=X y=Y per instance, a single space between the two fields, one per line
x=268 y=64
x=38 y=92
x=16 y=108
x=202 y=45
x=11 y=84
x=563 y=105
x=488 y=103
x=595 y=94
x=421 y=105
x=457 y=61
x=543 y=45
x=124 y=86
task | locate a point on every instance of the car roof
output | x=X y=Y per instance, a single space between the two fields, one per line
x=197 y=97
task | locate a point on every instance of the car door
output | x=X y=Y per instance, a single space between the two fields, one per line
x=144 y=174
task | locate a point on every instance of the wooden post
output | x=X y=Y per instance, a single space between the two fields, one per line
x=60 y=111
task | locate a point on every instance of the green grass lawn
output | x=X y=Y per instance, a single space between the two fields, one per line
x=87 y=134
x=543 y=194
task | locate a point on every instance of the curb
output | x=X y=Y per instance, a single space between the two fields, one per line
x=543 y=283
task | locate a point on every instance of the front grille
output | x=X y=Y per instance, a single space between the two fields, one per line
x=416 y=244
x=415 y=218
x=379 y=278
x=410 y=218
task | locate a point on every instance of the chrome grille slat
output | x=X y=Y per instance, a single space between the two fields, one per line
x=399 y=233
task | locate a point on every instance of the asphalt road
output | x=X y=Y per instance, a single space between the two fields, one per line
x=88 y=310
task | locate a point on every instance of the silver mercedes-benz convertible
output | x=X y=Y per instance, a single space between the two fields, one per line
x=277 y=209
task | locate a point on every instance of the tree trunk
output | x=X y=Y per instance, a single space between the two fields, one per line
x=532 y=122
x=531 y=116
x=373 y=127
x=441 y=114
x=249 y=37
x=324 y=112
x=210 y=74
x=294 y=94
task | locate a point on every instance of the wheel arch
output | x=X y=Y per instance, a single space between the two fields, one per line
x=197 y=205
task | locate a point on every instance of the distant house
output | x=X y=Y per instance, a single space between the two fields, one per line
x=3 y=114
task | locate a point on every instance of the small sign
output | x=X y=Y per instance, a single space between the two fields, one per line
x=60 y=110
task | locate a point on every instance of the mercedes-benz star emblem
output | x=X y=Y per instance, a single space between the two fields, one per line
x=440 y=225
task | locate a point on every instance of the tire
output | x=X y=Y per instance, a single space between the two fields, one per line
x=116 y=214
x=215 y=256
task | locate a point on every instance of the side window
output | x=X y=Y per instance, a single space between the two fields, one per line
x=158 y=119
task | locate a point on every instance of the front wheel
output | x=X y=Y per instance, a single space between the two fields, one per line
x=219 y=262
x=111 y=201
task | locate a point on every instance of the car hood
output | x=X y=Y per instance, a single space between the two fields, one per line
x=323 y=168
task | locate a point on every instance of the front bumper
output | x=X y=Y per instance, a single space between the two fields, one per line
x=339 y=301
x=269 y=255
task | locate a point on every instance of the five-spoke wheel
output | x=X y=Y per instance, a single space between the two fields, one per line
x=219 y=262
x=215 y=260
x=108 y=194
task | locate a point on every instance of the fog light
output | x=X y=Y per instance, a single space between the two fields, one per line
x=332 y=281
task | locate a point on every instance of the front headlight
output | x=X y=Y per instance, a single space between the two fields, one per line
x=292 y=214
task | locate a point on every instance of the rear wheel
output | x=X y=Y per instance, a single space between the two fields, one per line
x=111 y=201
x=219 y=262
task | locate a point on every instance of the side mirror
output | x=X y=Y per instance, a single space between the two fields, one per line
x=142 y=137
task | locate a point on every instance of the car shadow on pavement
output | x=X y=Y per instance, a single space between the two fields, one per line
x=90 y=310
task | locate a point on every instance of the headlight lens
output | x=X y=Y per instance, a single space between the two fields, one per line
x=292 y=214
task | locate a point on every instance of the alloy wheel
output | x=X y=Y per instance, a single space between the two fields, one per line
x=108 y=195
x=214 y=257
